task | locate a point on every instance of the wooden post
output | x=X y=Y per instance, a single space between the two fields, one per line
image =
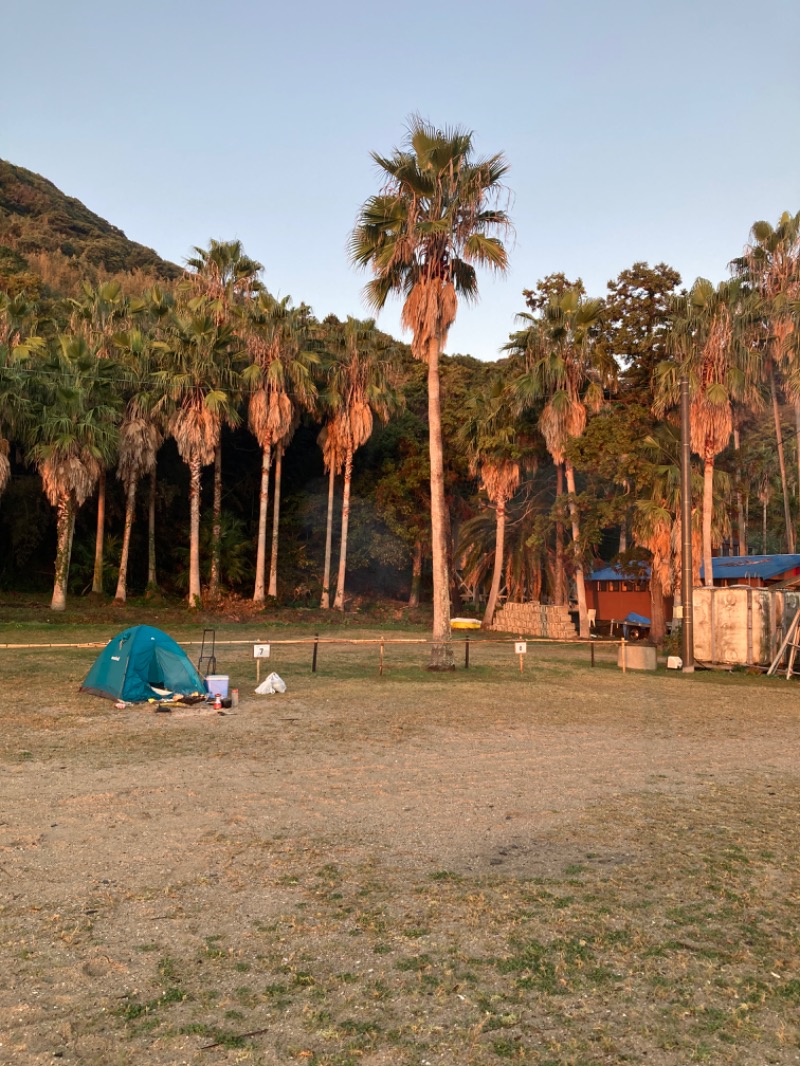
x=592 y=648
x=381 y=666
x=623 y=642
x=258 y=671
x=466 y=653
x=314 y=655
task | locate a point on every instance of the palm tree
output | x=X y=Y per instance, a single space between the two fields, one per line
x=494 y=450
x=361 y=384
x=279 y=375
x=719 y=371
x=333 y=458
x=228 y=281
x=140 y=434
x=565 y=368
x=97 y=315
x=199 y=378
x=422 y=236
x=771 y=267
x=73 y=435
x=154 y=310
x=18 y=340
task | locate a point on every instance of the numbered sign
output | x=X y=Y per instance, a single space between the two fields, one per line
x=261 y=651
x=521 y=647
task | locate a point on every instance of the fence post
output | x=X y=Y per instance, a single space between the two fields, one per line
x=592 y=647
x=314 y=655
x=623 y=643
x=466 y=653
x=381 y=666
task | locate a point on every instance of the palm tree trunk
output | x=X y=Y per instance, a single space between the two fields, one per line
x=276 y=520
x=152 y=576
x=708 y=506
x=130 y=509
x=325 y=601
x=338 y=603
x=442 y=650
x=560 y=584
x=195 y=599
x=216 y=527
x=658 y=618
x=416 y=575
x=580 y=586
x=499 y=546
x=740 y=523
x=764 y=526
x=64 y=544
x=776 y=414
x=97 y=577
x=623 y=534
x=263 y=504
x=797 y=439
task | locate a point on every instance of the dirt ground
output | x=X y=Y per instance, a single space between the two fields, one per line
x=564 y=866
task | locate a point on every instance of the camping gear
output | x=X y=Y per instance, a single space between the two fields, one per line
x=207 y=660
x=217 y=684
x=137 y=663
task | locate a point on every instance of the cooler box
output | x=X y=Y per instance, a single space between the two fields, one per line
x=218 y=685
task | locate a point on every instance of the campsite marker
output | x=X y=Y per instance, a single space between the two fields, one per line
x=520 y=648
x=260 y=651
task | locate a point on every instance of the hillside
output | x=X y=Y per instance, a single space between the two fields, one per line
x=52 y=241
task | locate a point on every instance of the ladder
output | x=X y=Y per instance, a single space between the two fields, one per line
x=209 y=657
x=790 y=642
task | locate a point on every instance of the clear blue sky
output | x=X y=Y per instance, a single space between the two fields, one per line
x=634 y=129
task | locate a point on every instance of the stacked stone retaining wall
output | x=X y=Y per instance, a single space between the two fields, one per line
x=535 y=620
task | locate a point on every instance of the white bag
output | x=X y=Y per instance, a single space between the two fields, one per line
x=272 y=684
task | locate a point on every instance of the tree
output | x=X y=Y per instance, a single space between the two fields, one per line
x=17 y=341
x=771 y=267
x=565 y=368
x=422 y=236
x=197 y=374
x=73 y=434
x=494 y=447
x=279 y=376
x=140 y=433
x=360 y=385
x=708 y=351
x=97 y=315
x=228 y=280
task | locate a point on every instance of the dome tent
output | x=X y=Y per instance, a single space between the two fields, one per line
x=137 y=659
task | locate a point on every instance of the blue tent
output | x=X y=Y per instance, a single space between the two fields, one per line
x=137 y=659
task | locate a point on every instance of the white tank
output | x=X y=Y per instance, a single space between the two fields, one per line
x=740 y=625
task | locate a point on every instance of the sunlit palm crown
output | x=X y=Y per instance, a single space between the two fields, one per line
x=434 y=221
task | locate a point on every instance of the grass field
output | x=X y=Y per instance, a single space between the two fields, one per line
x=560 y=866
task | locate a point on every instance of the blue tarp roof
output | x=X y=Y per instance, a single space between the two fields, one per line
x=726 y=568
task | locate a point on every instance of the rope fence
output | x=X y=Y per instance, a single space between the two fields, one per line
x=469 y=645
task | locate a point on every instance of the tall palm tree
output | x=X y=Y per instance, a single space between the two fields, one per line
x=73 y=433
x=153 y=312
x=361 y=385
x=494 y=449
x=771 y=267
x=279 y=376
x=564 y=368
x=18 y=340
x=333 y=458
x=720 y=372
x=97 y=315
x=422 y=236
x=140 y=433
x=228 y=280
x=199 y=378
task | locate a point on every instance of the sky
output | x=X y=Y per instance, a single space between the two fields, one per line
x=633 y=129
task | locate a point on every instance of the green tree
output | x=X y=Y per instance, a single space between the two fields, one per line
x=72 y=436
x=422 y=236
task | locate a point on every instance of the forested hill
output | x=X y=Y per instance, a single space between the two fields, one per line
x=50 y=241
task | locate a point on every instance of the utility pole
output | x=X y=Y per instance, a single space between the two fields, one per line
x=687 y=626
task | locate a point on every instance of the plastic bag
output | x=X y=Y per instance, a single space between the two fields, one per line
x=273 y=683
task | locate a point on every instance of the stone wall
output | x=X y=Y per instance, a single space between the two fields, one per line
x=535 y=620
